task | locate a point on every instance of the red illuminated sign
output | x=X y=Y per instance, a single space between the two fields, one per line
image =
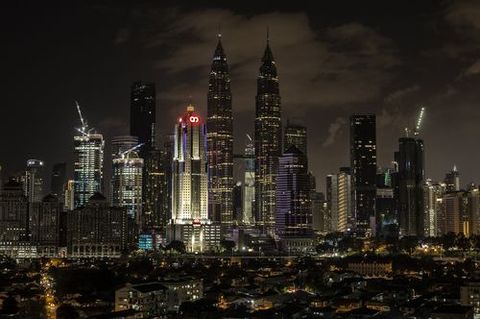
x=194 y=119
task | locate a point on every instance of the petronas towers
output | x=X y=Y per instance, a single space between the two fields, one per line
x=268 y=145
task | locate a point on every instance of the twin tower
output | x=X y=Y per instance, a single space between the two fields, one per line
x=219 y=150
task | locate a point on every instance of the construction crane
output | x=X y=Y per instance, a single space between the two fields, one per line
x=418 y=124
x=124 y=153
x=419 y=121
x=84 y=130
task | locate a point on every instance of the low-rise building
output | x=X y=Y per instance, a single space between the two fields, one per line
x=148 y=298
x=181 y=290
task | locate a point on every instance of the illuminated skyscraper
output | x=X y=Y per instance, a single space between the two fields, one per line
x=33 y=181
x=88 y=166
x=295 y=135
x=190 y=184
x=142 y=115
x=363 y=163
x=220 y=139
x=294 y=214
x=69 y=197
x=127 y=178
x=452 y=180
x=268 y=141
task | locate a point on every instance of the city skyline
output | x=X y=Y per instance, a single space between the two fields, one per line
x=395 y=101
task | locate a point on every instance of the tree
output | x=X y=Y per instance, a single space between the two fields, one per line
x=10 y=306
x=67 y=311
x=177 y=245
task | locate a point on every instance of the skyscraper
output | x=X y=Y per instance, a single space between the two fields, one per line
x=339 y=199
x=33 y=181
x=363 y=163
x=13 y=214
x=156 y=206
x=295 y=135
x=190 y=184
x=142 y=115
x=410 y=188
x=220 y=139
x=127 y=178
x=294 y=214
x=88 y=166
x=268 y=141
x=59 y=180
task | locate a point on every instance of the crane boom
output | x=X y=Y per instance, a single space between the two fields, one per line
x=419 y=121
x=122 y=154
x=84 y=127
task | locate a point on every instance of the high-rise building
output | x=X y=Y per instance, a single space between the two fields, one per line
x=363 y=163
x=127 y=178
x=294 y=213
x=143 y=115
x=339 y=202
x=88 y=166
x=220 y=139
x=59 y=180
x=249 y=183
x=96 y=229
x=456 y=214
x=268 y=141
x=237 y=200
x=156 y=205
x=452 y=180
x=410 y=186
x=474 y=209
x=295 y=135
x=190 y=222
x=33 y=181
x=384 y=202
x=123 y=143
x=433 y=207
x=13 y=214
x=319 y=212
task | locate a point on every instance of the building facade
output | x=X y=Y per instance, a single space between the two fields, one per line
x=143 y=115
x=33 y=181
x=295 y=135
x=58 y=180
x=339 y=191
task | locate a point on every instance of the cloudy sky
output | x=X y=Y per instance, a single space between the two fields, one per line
x=333 y=60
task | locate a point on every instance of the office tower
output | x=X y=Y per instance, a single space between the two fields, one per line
x=33 y=181
x=220 y=139
x=237 y=199
x=249 y=182
x=13 y=214
x=190 y=185
x=433 y=206
x=69 y=198
x=142 y=115
x=127 y=178
x=96 y=229
x=268 y=141
x=167 y=160
x=295 y=135
x=411 y=180
x=294 y=214
x=156 y=213
x=363 y=163
x=58 y=180
x=474 y=209
x=45 y=225
x=88 y=166
x=339 y=191
x=452 y=180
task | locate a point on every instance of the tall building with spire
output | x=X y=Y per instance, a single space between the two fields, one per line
x=268 y=141
x=190 y=222
x=220 y=139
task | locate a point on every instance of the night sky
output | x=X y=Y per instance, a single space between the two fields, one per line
x=386 y=57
